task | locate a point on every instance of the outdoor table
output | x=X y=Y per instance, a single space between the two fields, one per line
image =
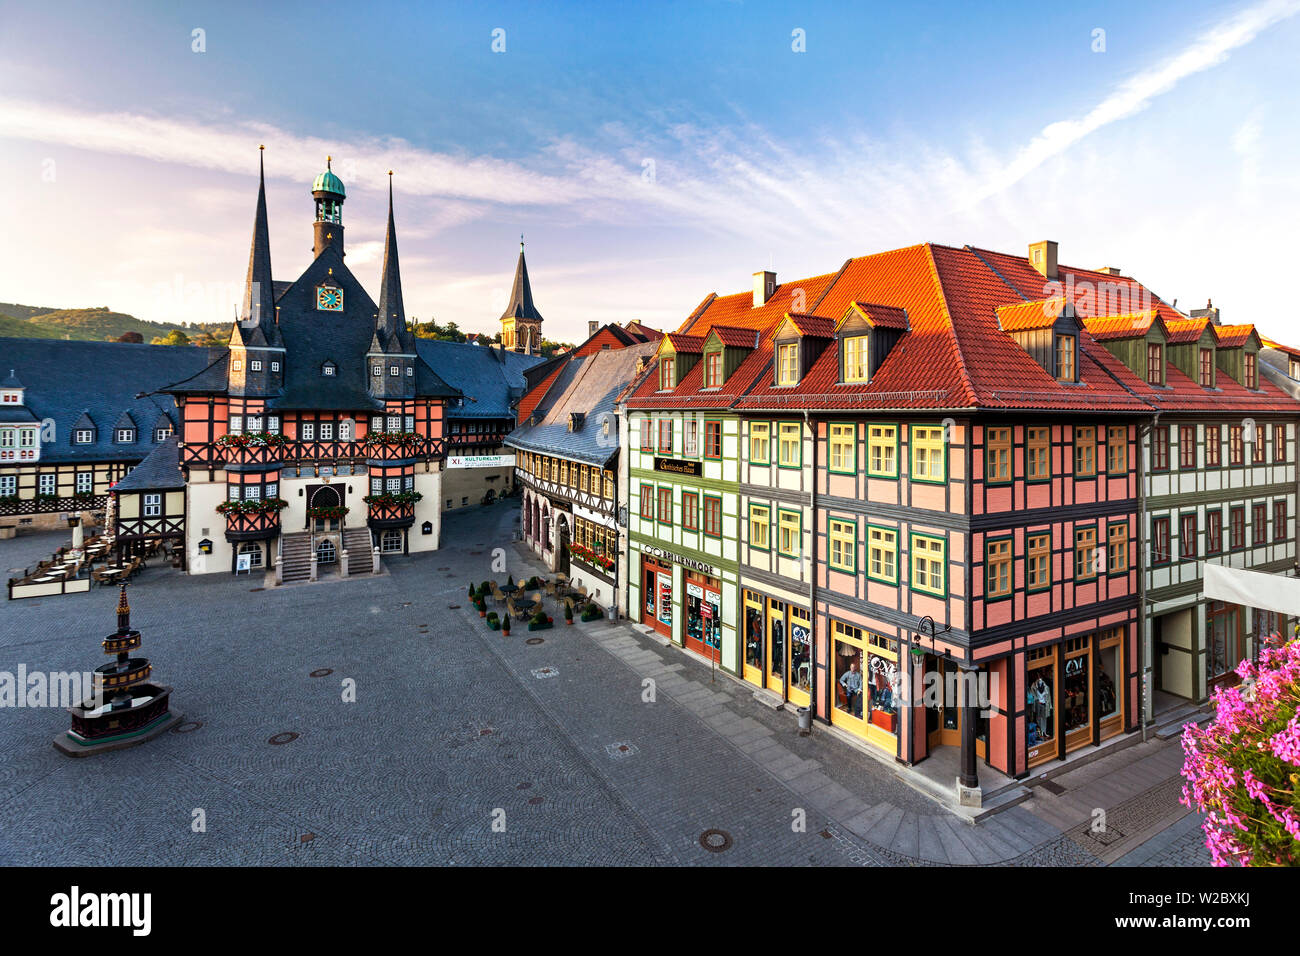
x=525 y=607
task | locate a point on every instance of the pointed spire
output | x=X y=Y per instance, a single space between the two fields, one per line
x=259 y=289
x=521 y=295
x=392 y=316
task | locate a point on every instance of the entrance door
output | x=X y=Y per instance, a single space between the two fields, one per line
x=777 y=657
x=323 y=496
x=942 y=705
x=755 y=643
x=1223 y=634
x=800 y=669
x=657 y=597
x=562 y=557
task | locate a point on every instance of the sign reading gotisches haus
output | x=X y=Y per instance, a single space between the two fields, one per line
x=677 y=467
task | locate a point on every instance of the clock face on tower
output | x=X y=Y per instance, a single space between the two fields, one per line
x=329 y=298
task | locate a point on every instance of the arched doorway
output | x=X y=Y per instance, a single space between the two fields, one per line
x=324 y=496
x=562 y=546
x=546 y=529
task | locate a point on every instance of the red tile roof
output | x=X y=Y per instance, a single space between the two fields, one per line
x=956 y=353
x=1130 y=326
x=1025 y=316
x=734 y=336
x=1234 y=336
x=534 y=396
x=881 y=316
x=818 y=326
x=689 y=344
x=1184 y=331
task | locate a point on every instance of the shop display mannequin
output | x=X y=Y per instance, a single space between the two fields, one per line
x=1040 y=707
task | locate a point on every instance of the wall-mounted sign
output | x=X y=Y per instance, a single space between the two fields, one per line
x=685 y=562
x=675 y=466
x=480 y=461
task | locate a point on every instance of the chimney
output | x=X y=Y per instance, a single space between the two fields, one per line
x=764 y=286
x=1042 y=256
x=1209 y=312
x=1110 y=270
x=591 y=328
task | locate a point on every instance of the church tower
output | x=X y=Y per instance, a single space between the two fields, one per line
x=329 y=194
x=391 y=357
x=521 y=323
x=256 y=346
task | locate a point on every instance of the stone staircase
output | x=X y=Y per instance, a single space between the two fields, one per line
x=295 y=557
x=1171 y=722
x=361 y=555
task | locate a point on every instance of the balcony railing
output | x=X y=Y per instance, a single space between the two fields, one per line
x=47 y=504
x=396 y=515
x=298 y=453
x=252 y=526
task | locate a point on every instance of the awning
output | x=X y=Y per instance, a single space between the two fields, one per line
x=1269 y=592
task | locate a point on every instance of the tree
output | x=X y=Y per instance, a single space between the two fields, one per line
x=134 y=337
x=174 y=337
x=1242 y=770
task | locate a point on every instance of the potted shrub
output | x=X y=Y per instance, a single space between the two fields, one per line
x=532 y=584
x=591 y=611
x=539 y=622
x=505 y=624
x=492 y=622
x=568 y=612
x=482 y=607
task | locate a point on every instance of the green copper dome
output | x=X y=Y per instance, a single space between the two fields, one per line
x=327 y=182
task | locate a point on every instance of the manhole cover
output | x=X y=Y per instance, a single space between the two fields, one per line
x=620 y=750
x=716 y=841
x=535 y=640
x=283 y=737
x=1105 y=837
x=187 y=727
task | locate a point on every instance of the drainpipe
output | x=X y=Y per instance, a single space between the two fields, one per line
x=1144 y=629
x=812 y=567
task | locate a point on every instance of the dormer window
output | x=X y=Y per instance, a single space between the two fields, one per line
x=328 y=368
x=713 y=370
x=394 y=370
x=787 y=364
x=855 y=359
x=376 y=370
x=665 y=374
x=1252 y=371
x=255 y=366
x=1066 y=368
x=1207 y=368
x=236 y=365
x=160 y=434
x=275 y=366
x=1295 y=368
x=125 y=436
x=83 y=436
x=1155 y=363
x=410 y=371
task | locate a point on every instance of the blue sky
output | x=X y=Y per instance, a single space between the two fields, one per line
x=131 y=159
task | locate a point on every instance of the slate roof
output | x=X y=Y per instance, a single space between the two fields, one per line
x=12 y=381
x=590 y=385
x=16 y=414
x=491 y=379
x=160 y=470
x=74 y=382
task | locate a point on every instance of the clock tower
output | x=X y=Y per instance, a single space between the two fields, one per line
x=329 y=194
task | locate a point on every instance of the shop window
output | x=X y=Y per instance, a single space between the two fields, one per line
x=882 y=451
x=1110 y=675
x=1117 y=548
x=843 y=449
x=1160 y=448
x=1187 y=536
x=1038 y=465
x=1039 y=561
x=847 y=646
x=1076 y=699
x=1085 y=452
x=690 y=510
x=1214 y=531
x=704 y=612
x=789 y=445
x=1040 y=705
x=998 y=562
x=843 y=536
x=713 y=440
x=789 y=532
x=1279 y=521
x=1213 y=449
x=882 y=555
x=1085 y=553
x=760 y=447
x=998 y=455
x=1117 y=450
x=713 y=516
x=801 y=649
x=1259 y=524
x=754 y=632
x=760 y=523
x=928 y=560
x=1186 y=446
x=928 y=454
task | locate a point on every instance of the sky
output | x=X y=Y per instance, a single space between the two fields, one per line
x=649 y=153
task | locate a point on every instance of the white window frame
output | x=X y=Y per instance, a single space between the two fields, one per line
x=152 y=504
x=8 y=485
x=254 y=366
x=85 y=481
x=326 y=431
x=308 y=430
x=236 y=424
x=393 y=484
x=124 y=436
x=83 y=436
x=47 y=483
x=275 y=366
